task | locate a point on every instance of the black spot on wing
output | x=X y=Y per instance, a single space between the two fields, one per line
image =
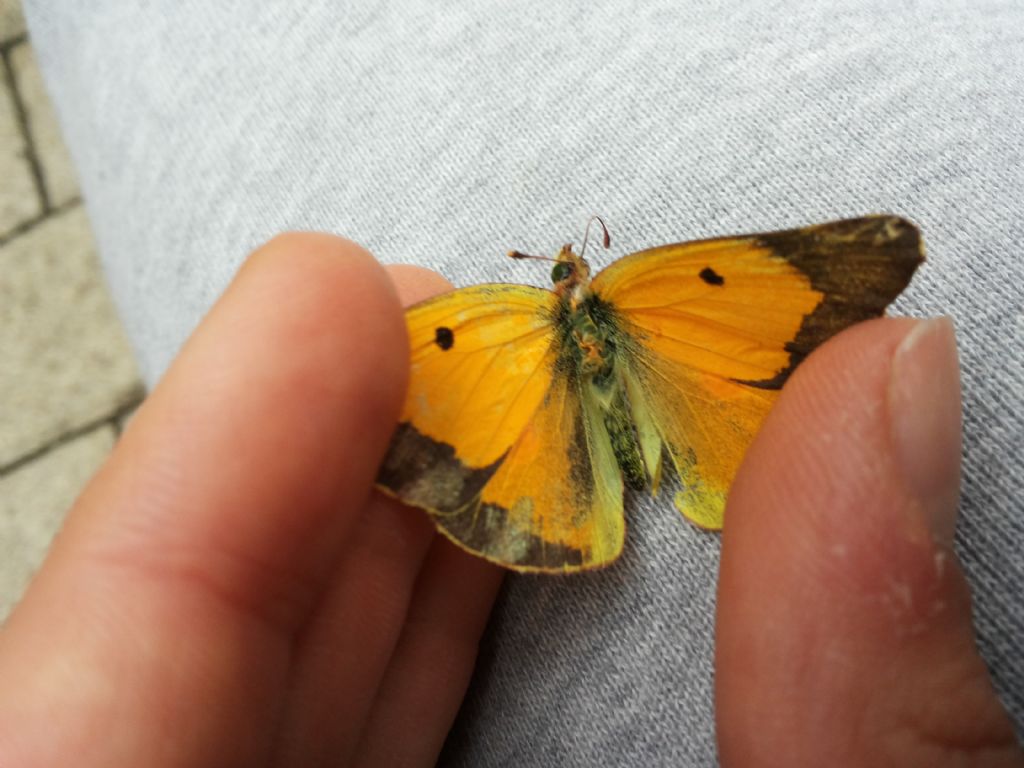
x=709 y=276
x=444 y=338
x=860 y=265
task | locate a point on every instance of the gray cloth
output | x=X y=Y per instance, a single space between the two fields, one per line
x=444 y=138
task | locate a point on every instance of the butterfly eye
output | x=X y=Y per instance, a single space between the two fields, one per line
x=561 y=271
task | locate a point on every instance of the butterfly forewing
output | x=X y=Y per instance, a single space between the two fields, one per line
x=716 y=326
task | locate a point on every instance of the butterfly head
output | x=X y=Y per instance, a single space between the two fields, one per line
x=571 y=273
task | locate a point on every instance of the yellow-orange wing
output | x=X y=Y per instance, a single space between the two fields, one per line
x=495 y=441
x=713 y=328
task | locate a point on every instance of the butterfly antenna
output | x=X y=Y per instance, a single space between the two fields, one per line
x=606 y=240
x=521 y=255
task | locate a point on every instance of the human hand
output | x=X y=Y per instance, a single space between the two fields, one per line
x=844 y=630
x=228 y=590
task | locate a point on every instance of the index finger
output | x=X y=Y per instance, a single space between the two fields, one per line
x=192 y=558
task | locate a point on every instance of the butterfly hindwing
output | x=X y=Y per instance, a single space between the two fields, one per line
x=704 y=422
x=555 y=503
x=716 y=327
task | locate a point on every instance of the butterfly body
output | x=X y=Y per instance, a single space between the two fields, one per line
x=529 y=411
x=593 y=345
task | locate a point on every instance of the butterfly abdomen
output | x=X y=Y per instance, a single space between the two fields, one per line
x=624 y=442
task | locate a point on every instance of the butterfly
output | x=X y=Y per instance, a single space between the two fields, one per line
x=529 y=411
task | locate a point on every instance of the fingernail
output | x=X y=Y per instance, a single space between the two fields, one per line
x=924 y=408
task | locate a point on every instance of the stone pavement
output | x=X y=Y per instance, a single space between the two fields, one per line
x=67 y=377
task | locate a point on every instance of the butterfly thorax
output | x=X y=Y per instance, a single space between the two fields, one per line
x=587 y=339
x=591 y=334
x=593 y=358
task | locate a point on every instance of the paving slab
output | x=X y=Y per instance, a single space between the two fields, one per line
x=33 y=501
x=19 y=199
x=59 y=177
x=66 y=363
x=12 y=22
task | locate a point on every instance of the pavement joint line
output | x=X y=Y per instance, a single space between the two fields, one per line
x=29 y=224
x=21 y=115
x=70 y=435
x=12 y=42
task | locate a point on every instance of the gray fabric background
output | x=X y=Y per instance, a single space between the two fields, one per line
x=444 y=138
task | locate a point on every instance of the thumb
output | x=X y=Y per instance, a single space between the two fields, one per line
x=844 y=630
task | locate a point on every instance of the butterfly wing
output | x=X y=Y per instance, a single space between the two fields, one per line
x=555 y=503
x=713 y=328
x=495 y=440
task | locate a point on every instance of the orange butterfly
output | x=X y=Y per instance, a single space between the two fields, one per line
x=528 y=410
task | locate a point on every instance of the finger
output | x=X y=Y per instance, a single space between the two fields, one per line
x=348 y=644
x=170 y=601
x=433 y=662
x=415 y=284
x=843 y=632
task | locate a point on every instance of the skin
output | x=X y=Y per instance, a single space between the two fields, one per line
x=228 y=590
